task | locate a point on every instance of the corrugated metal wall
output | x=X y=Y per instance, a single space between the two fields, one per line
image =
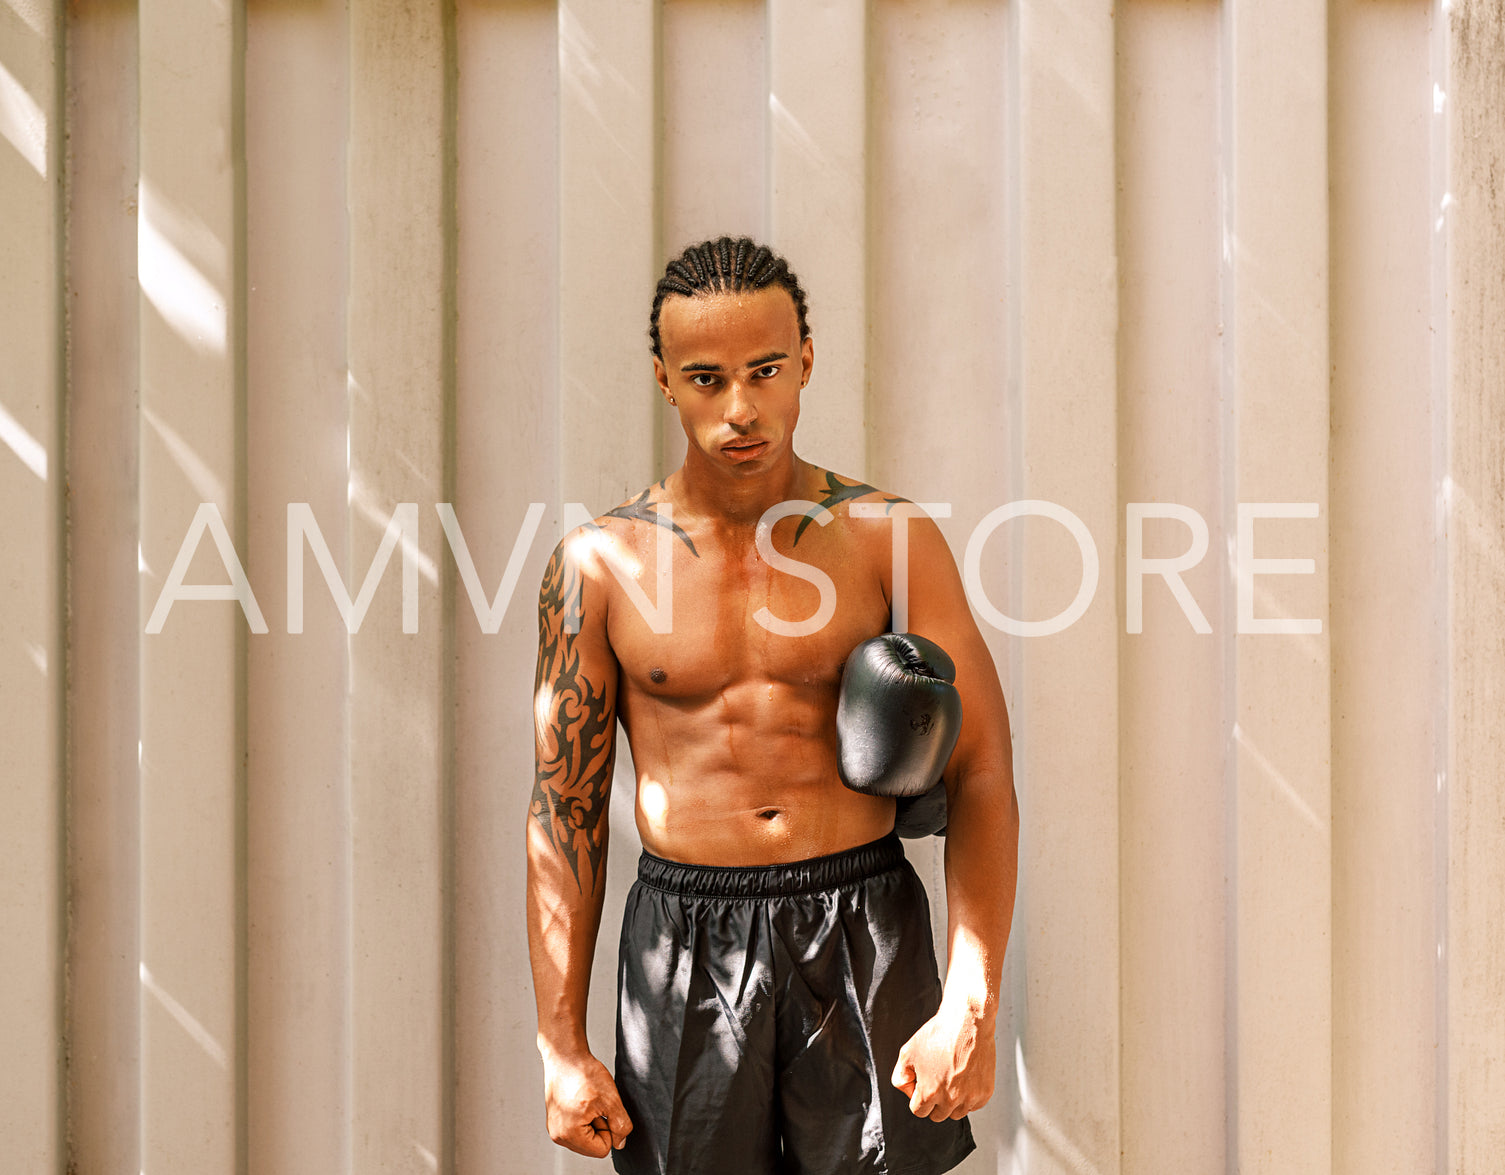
x=260 y=893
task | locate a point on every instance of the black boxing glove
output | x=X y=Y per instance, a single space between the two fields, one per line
x=897 y=716
x=922 y=815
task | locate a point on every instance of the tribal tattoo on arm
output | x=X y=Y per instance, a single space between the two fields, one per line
x=574 y=728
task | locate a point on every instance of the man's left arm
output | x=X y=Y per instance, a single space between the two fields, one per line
x=947 y=1066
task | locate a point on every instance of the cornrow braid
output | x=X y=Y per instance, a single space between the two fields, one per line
x=727 y=265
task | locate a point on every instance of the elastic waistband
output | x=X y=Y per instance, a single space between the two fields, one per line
x=765 y=881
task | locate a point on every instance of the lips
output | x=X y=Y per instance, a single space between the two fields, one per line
x=744 y=450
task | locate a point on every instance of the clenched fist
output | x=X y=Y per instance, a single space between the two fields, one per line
x=946 y=1067
x=584 y=1109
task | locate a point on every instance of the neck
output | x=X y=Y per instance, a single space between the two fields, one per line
x=736 y=501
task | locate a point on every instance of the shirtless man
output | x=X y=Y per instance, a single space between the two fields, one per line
x=779 y=1004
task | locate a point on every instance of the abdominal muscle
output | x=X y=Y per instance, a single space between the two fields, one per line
x=745 y=781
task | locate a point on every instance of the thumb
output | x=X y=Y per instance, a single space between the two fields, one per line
x=619 y=1124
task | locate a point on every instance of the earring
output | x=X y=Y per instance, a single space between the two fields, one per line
x=672 y=400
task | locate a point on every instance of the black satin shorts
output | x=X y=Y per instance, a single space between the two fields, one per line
x=760 y=1013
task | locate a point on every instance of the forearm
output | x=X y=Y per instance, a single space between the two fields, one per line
x=982 y=867
x=574 y=723
x=563 y=922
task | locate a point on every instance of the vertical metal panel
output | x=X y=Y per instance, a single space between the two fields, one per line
x=299 y=901
x=712 y=129
x=1383 y=550
x=399 y=380
x=937 y=256
x=938 y=227
x=266 y=971
x=31 y=529
x=1072 y=1047
x=817 y=111
x=505 y=457
x=1277 y=252
x=103 y=667
x=192 y=670
x=606 y=173
x=1172 y=854
x=714 y=119
x=1473 y=216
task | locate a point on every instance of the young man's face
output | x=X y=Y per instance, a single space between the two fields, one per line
x=734 y=365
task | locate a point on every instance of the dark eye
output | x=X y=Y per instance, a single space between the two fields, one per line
x=703 y=379
x=767 y=372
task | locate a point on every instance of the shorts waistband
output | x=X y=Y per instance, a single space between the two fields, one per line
x=764 y=881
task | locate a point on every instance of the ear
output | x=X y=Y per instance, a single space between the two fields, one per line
x=807 y=359
x=661 y=374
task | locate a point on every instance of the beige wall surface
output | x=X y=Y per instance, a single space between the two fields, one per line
x=291 y=289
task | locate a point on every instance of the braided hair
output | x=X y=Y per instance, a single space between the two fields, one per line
x=727 y=265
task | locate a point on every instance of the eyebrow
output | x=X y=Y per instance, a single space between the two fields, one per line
x=761 y=361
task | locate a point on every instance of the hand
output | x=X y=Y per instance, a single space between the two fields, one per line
x=946 y=1067
x=584 y=1109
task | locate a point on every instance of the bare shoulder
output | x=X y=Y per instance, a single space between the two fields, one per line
x=617 y=535
x=879 y=515
x=837 y=490
x=637 y=518
x=638 y=524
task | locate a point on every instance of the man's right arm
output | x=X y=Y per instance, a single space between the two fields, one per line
x=574 y=727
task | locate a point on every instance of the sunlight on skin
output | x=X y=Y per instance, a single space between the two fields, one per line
x=543 y=706
x=32 y=453
x=22 y=123
x=589 y=544
x=653 y=800
x=966 y=966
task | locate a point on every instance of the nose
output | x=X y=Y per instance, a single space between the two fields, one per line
x=741 y=413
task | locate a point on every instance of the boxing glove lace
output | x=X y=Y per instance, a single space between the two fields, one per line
x=922 y=815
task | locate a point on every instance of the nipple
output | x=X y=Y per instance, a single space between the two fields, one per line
x=657 y=676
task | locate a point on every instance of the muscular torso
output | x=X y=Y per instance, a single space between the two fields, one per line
x=731 y=726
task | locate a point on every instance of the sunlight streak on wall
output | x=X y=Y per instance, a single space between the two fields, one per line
x=201 y=1035
x=22 y=122
x=187 y=300
x=32 y=453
